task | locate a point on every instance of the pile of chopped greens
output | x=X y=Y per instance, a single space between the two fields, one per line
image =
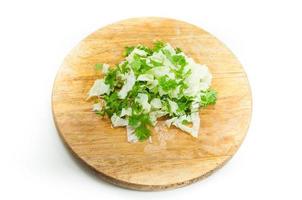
x=151 y=83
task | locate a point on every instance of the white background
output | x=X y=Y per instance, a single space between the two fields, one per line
x=35 y=36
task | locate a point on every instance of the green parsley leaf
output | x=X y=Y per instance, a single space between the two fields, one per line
x=100 y=112
x=137 y=119
x=98 y=67
x=128 y=50
x=139 y=65
x=185 y=122
x=179 y=60
x=123 y=68
x=142 y=132
x=110 y=77
x=178 y=50
x=136 y=63
x=158 y=45
x=167 y=84
x=167 y=54
x=208 y=97
x=184 y=104
x=136 y=108
x=137 y=88
x=155 y=63
x=114 y=104
x=146 y=49
x=140 y=123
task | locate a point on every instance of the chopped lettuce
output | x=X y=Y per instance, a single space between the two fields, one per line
x=151 y=83
x=146 y=77
x=131 y=137
x=118 y=121
x=129 y=83
x=156 y=103
x=126 y=111
x=142 y=99
x=96 y=107
x=156 y=114
x=105 y=68
x=172 y=107
x=99 y=88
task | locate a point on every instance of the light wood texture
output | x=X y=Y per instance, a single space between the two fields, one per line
x=174 y=158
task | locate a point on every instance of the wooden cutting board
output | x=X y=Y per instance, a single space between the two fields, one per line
x=174 y=158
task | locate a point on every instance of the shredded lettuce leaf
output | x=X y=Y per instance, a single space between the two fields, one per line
x=118 y=121
x=99 y=88
x=129 y=83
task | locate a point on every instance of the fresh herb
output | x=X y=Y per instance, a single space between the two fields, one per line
x=110 y=78
x=179 y=60
x=184 y=105
x=127 y=51
x=140 y=123
x=158 y=45
x=98 y=66
x=208 y=97
x=167 y=84
x=146 y=49
x=178 y=50
x=185 y=122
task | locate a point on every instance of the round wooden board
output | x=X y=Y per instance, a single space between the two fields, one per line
x=174 y=158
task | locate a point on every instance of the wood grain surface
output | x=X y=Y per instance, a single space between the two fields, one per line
x=174 y=158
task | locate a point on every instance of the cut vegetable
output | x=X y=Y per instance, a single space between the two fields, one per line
x=152 y=83
x=99 y=88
